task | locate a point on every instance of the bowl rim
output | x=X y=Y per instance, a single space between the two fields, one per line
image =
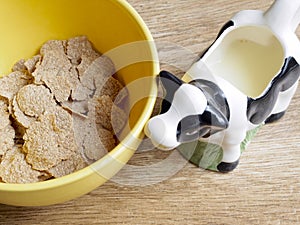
x=129 y=139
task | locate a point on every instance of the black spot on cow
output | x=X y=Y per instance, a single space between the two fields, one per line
x=215 y=118
x=259 y=109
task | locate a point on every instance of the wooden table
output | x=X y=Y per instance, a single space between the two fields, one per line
x=265 y=189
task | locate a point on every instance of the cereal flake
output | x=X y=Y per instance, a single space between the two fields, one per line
x=68 y=166
x=49 y=140
x=56 y=71
x=12 y=83
x=109 y=115
x=15 y=169
x=35 y=100
x=7 y=136
x=4 y=113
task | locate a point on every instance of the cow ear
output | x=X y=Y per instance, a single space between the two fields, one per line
x=213 y=117
x=169 y=81
x=171 y=84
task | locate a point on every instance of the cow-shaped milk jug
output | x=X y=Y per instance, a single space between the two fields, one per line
x=245 y=79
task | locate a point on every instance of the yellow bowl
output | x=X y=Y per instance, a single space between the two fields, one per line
x=114 y=28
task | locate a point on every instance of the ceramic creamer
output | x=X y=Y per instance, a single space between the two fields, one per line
x=245 y=79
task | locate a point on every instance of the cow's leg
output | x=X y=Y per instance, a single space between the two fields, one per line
x=231 y=152
x=283 y=102
x=230 y=160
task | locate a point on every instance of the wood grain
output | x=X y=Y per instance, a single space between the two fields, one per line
x=265 y=189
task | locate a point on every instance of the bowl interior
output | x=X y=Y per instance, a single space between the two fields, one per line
x=115 y=29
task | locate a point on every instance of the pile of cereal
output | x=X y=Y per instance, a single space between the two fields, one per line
x=56 y=112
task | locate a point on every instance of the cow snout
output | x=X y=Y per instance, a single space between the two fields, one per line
x=161 y=133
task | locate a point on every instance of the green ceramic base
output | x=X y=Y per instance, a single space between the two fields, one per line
x=208 y=156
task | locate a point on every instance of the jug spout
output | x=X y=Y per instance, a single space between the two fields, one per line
x=284 y=14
